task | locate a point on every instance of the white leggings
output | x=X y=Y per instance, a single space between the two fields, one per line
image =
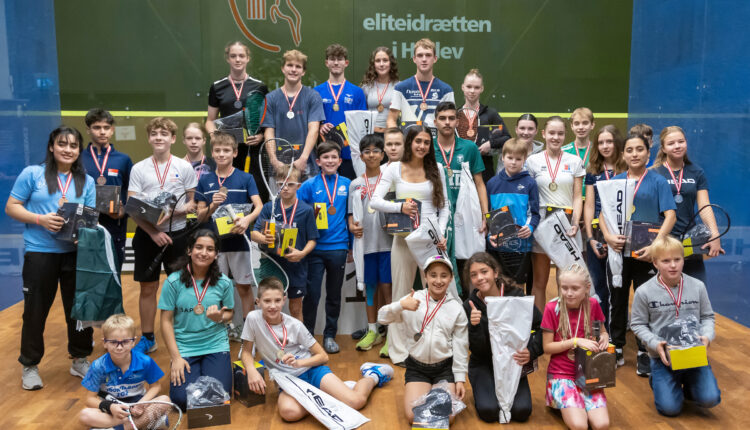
x=403 y=272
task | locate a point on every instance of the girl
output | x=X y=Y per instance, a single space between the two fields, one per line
x=653 y=203
x=36 y=195
x=689 y=186
x=417 y=176
x=526 y=129
x=194 y=138
x=378 y=83
x=605 y=162
x=435 y=329
x=559 y=176
x=574 y=306
x=472 y=88
x=485 y=275
x=228 y=96
x=196 y=301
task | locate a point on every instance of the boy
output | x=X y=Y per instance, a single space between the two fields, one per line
x=123 y=373
x=228 y=185
x=451 y=151
x=377 y=243
x=328 y=194
x=108 y=167
x=159 y=173
x=285 y=345
x=581 y=123
x=416 y=99
x=394 y=144
x=338 y=96
x=290 y=213
x=515 y=188
x=655 y=305
x=294 y=111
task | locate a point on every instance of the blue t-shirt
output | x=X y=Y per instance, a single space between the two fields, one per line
x=240 y=188
x=106 y=376
x=304 y=222
x=652 y=199
x=117 y=172
x=693 y=180
x=196 y=334
x=351 y=98
x=520 y=194
x=313 y=191
x=307 y=108
x=591 y=179
x=439 y=91
x=30 y=188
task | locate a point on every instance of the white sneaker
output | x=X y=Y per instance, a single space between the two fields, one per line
x=30 y=378
x=384 y=372
x=79 y=367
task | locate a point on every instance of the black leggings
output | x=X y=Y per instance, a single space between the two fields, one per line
x=637 y=272
x=482 y=381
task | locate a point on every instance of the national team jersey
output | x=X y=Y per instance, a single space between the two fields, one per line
x=408 y=98
x=351 y=97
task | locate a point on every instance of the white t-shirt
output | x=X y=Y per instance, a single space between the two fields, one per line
x=375 y=238
x=570 y=168
x=180 y=178
x=372 y=92
x=299 y=340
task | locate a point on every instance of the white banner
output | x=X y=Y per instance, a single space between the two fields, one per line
x=616 y=196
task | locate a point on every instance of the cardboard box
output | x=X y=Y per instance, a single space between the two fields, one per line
x=137 y=208
x=108 y=199
x=687 y=357
x=639 y=235
x=76 y=216
x=225 y=224
x=209 y=416
x=242 y=391
x=595 y=371
x=400 y=224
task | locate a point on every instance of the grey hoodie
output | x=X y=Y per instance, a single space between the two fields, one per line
x=653 y=308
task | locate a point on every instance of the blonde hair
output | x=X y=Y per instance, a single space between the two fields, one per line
x=575 y=271
x=661 y=156
x=294 y=174
x=229 y=45
x=271 y=283
x=162 y=122
x=118 y=321
x=222 y=138
x=515 y=147
x=582 y=112
x=295 y=55
x=197 y=125
x=425 y=43
x=664 y=245
x=474 y=72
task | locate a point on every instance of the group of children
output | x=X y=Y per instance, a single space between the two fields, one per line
x=429 y=334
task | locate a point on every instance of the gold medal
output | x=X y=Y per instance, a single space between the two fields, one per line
x=370 y=209
x=101 y=180
x=381 y=108
x=552 y=186
x=331 y=210
x=335 y=107
x=198 y=309
x=571 y=354
x=280 y=354
x=223 y=190
x=632 y=210
x=449 y=172
x=423 y=106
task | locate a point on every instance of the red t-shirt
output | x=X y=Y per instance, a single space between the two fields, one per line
x=560 y=366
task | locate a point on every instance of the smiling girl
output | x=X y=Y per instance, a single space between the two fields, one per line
x=378 y=84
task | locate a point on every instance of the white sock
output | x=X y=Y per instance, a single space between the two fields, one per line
x=374 y=377
x=372 y=327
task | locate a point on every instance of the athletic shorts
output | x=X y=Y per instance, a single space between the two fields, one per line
x=378 y=268
x=314 y=375
x=564 y=393
x=237 y=266
x=146 y=251
x=430 y=373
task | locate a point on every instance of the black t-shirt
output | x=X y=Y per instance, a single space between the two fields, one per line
x=693 y=179
x=498 y=136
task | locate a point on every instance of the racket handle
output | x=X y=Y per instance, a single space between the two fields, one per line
x=271 y=229
x=247 y=162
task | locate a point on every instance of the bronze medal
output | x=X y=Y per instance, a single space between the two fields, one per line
x=280 y=354
x=335 y=107
x=331 y=210
x=571 y=354
x=423 y=106
x=470 y=133
x=552 y=186
x=417 y=336
x=223 y=190
x=198 y=309
x=62 y=201
x=381 y=108
x=101 y=180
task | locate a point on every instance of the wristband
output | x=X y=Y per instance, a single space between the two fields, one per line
x=104 y=406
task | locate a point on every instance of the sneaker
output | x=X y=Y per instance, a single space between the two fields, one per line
x=79 y=367
x=30 y=378
x=146 y=346
x=382 y=329
x=384 y=372
x=620 y=357
x=350 y=384
x=359 y=334
x=371 y=339
x=643 y=367
x=330 y=345
x=384 y=350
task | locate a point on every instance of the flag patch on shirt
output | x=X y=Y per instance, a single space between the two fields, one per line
x=112 y=172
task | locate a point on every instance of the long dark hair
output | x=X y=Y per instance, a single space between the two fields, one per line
x=429 y=164
x=488 y=260
x=50 y=165
x=184 y=263
x=371 y=75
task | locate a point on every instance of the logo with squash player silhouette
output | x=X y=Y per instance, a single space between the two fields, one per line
x=256 y=16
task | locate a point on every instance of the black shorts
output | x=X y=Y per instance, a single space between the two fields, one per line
x=430 y=373
x=146 y=250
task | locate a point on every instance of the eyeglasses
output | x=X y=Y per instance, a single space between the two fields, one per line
x=116 y=343
x=281 y=185
x=372 y=152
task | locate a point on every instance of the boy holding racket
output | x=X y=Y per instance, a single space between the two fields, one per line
x=285 y=345
x=161 y=172
x=123 y=373
x=290 y=213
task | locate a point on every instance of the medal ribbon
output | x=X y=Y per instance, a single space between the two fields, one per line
x=419 y=86
x=448 y=161
x=103 y=166
x=382 y=96
x=283 y=213
x=218 y=178
x=159 y=177
x=336 y=96
x=677 y=184
x=474 y=114
x=578 y=324
x=638 y=185
x=368 y=190
x=549 y=166
x=677 y=300
x=198 y=296
x=291 y=105
x=237 y=92
x=281 y=343
x=428 y=317
x=331 y=197
x=606 y=172
x=585 y=158
x=64 y=190
x=200 y=167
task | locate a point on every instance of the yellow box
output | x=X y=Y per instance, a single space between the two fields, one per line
x=225 y=224
x=321 y=216
x=687 y=358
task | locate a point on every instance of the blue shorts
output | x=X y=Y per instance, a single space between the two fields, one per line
x=378 y=268
x=314 y=375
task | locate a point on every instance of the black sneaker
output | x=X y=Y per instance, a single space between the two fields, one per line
x=644 y=365
x=620 y=358
x=359 y=334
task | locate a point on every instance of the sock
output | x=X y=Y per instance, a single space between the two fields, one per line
x=149 y=336
x=372 y=327
x=374 y=377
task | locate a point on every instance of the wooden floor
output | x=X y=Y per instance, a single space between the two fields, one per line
x=630 y=403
